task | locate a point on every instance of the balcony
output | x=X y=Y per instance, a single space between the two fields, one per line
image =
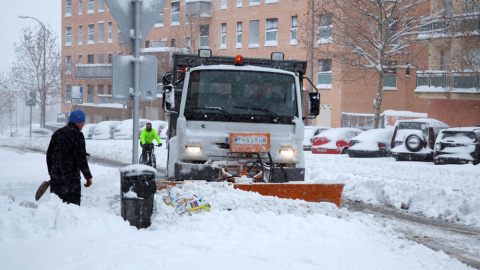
x=198 y=9
x=446 y=84
x=93 y=71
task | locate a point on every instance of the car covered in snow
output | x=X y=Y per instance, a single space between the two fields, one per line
x=414 y=139
x=372 y=143
x=124 y=130
x=104 y=130
x=457 y=146
x=87 y=130
x=309 y=133
x=37 y=132
x=334 y=141
x=164 y=133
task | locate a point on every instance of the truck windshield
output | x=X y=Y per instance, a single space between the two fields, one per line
x=241 y=96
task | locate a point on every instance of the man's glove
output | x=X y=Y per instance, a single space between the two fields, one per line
x=160 y=144
x=89 y=183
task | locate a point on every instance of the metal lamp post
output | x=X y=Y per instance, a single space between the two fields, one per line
x=43 y=95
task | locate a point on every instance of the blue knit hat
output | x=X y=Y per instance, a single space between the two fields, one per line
x=77 y=117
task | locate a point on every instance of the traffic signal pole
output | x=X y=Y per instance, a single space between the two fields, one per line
x=136 y=81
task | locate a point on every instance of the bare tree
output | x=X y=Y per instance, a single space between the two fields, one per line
x=7 y=95
x=375 y=35
x=29 y=70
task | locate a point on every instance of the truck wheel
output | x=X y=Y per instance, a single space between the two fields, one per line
x=414 y=143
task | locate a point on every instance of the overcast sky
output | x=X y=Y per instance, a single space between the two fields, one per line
x=46 y=11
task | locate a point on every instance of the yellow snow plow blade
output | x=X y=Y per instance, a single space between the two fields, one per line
x=303 y=191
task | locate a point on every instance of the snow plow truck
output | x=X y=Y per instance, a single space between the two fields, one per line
x=240 y=120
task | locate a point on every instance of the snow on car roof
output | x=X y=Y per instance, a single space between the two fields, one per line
x=431 y=122
x=334 y=133
x=457 y=129
x=380 y=134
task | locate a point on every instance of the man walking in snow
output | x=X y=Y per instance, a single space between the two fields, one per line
x=66 y=157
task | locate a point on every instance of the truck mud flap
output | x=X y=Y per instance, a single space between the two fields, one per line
x=189 y=171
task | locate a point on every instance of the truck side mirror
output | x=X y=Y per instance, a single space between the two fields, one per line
x=314 y=102
x=168 y=98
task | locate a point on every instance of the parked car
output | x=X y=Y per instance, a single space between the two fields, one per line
x=87 y=131
x=164 y=133
x=37 y=132
x=124 y=130
x=414 y=139
x=104 y=130
x=309 y=133
x=334 y=141
x=457 y=146
x=372 y=143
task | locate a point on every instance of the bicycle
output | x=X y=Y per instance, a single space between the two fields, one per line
x=150 y=159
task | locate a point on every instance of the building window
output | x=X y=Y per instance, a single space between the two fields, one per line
x=109 y=89
x=91 y=6
x=254 y=2
x=109 y=32
x=325 y=28
x=293 y=31
x=324 y=74
x=239 y=3
x=90 y=93
x=175 y=14
x=223 y=4
x=91 y=34
x=79 y=7
x=100 y=89
x=68 y=8
x=110 y=58
x=101 y=5
x=68 y=36
x=80 y=35
x=239 y=35
x=390 y=33
x=253 y=41
x=101 y=32
x=101 y=58
x=68 y=64
x=68 y=93
x=204 y=29
x=80 y=59
x=472 y=6
x=271 y=32
x=91 y=59
x=147 y=43
x=223 y=36
x=159 y=21
x=188 y=43
x=390 y=76
x=271 y=1
x=172 y=42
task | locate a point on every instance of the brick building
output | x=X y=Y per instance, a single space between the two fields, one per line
x=252 y=28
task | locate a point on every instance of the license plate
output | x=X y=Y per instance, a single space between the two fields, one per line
x=249 y=142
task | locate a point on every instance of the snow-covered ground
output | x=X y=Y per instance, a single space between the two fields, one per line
x=243 y=230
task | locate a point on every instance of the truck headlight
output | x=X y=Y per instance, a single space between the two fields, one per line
x=194 y=149
x=287 y=152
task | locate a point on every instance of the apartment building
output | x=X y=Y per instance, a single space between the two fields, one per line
x=451 y=81
x=252 y=28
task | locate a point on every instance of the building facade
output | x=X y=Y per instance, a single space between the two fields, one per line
x=252 y=28
x=451 y=81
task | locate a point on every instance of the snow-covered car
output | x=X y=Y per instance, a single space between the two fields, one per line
x=159 y=125
x=309 y=133
x=414 y=139
x=124 y=130
x=37 y=132
x=372 y=143
x=104 y=130
x=334 y=141
x=87 y=131
x=164 y=133
x=457 y=146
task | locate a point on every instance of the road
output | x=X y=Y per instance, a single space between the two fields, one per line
x=459 y=242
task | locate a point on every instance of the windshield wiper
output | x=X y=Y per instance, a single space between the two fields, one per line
x=213 y=108
x=268 y=112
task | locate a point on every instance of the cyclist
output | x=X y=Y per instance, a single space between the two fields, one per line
x=146 y=139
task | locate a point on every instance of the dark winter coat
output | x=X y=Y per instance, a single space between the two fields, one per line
x=66 y=154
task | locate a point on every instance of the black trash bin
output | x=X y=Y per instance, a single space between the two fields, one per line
x=137 y=194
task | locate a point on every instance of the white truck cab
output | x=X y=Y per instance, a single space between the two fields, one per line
x=237 y=119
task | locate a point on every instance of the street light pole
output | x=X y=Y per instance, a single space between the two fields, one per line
x=43 y=95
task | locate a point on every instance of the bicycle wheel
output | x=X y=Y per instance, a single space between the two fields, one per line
x=154 y=161
x=140 y=160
